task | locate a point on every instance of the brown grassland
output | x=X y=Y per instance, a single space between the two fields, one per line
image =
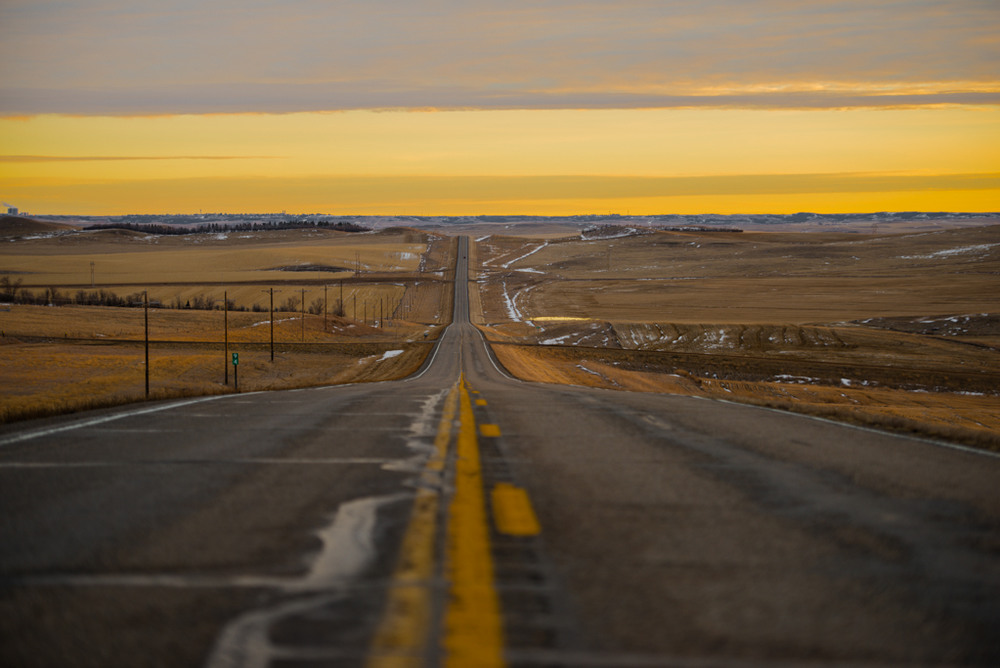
x=63 y=356
x=894 y=331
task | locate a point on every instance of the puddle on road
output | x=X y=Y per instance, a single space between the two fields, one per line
x=419 y=439
x=348 y=543
x=348 y=549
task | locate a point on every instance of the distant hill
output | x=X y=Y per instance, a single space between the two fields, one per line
x=19 y=226
x=883 y=222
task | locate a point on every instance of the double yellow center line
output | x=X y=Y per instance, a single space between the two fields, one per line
x=470 y=632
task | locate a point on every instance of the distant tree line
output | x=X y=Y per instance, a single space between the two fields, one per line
x=11 y=292
x=699 y=228
x=216 y=228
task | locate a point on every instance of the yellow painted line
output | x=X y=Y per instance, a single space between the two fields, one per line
x=512 y=511
x=489 y=430
x=404 y=630
x=473 y=631
x=480 y=402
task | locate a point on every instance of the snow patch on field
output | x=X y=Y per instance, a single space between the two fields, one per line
x=785 y=378
x=40 y=235
x=948 y=252
x=528 y=254
x=277 y=322
x=598 y=374
x=389 y=354
x=596 y=334
x=509 y=304
x=713 y=339
x=953 y=319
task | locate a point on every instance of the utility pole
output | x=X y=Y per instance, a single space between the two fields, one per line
x=225 y=311
x=324 y=308
x=271 y=319
x=145 y=301
x=341 y=302
x=302 y=308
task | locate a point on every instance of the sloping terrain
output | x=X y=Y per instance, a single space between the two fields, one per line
x=72 y=326
x=13 y=227
x=858 y=324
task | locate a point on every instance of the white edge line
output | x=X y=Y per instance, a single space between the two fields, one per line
x=430 y=363
x=871 y=430
x=28 y=435
x=437 y=343
x=489 y=356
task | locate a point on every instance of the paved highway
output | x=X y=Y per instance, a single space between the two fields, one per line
x=463 y=518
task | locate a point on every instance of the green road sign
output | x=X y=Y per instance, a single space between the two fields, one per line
x=236 y=359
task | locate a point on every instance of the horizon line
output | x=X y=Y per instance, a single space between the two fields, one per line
x=511 y=215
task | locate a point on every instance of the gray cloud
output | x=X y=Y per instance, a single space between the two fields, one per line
x=287 y=98
x=140 y=57
x=532 y=187
x=115 y=158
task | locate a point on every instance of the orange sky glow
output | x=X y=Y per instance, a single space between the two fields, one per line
x=572 y=108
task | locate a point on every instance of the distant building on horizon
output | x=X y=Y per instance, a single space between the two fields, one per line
x=11 y=210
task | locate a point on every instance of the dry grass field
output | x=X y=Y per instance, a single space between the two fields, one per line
x=64 y=356
x=129 y=257
x=896 y=331
x=49 y=378
x=244 y=263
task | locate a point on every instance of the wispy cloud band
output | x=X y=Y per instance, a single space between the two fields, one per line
x=291 y=98
x=117 y=158
x=532 y=187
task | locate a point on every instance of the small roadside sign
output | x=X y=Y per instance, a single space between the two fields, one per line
x=236 y=359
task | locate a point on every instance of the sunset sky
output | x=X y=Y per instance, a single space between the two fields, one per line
x=472 y=107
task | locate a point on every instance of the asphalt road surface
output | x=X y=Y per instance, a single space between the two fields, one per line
x=464 y=518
